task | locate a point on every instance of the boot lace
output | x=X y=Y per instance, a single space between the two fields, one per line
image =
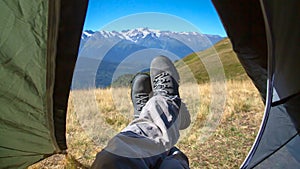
x=161 y=82
x=141 y=100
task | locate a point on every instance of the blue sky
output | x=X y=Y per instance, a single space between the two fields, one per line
x=173 y=15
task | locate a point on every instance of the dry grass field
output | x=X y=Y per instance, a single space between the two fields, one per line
x=96 y=115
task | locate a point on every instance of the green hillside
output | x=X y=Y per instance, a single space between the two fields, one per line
x=192 y=63
x=232 y=67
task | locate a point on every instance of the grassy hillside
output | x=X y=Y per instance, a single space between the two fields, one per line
x=231 y=65
x=92 y=112
x=226 y=147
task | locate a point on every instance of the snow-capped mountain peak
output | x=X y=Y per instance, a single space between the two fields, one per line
x=139 y=33
x=133 y=35
x=87 y=34
x=146 y=37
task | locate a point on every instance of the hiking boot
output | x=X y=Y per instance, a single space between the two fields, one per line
x=140 y=92
x=165 y=82
x=164 y=77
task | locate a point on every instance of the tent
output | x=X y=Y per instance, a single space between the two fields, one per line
x=265 y=35
x=39 y=42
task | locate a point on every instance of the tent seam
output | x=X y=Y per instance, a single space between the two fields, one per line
x=269 y=88
x=53 y=22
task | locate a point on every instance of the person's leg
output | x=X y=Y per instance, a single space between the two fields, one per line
x=108 y=160
x=112 y=160
x=146 y=141
x=164 y=114
x=140 y=94
x=175 y=160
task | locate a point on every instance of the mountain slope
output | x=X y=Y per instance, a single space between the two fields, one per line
x=232 y=67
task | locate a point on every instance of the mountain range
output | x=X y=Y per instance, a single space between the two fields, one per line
x=109 y=51
x=179 y=43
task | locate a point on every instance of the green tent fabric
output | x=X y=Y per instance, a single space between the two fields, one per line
x=38 y=50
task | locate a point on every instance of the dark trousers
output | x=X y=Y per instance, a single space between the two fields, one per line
x=107 y=160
